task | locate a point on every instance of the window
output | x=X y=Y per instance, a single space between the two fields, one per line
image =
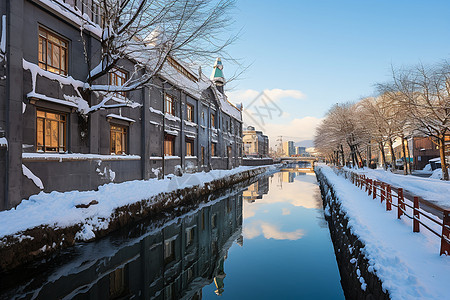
x=118 y=78
x=213 y=149
x=214 y=221
x=118 y=139
x=190 y=274
x=213 y=121
x=169 y=108
x=189 y=147
x=203 y=156
x=181 y=69
x=189 y=236
x=190 y=113
x=51 y=131
x=117 y=285
x=169 y=145
x=53 y=54
x=169 y=251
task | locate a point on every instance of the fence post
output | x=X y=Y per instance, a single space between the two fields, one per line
x=388 y=197
x=400 y=203
x=382 y=192
x=374 y=186
x=416 y=224
x=369 y=186
x=445 y=246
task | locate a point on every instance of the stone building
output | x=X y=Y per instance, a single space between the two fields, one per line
x=55 y=138
x=255 y=143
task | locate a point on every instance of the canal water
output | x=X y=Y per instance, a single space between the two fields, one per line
x=267 y=240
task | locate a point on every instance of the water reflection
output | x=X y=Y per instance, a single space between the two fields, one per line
x=170 y=262
x=201 y=255
x=288 y=252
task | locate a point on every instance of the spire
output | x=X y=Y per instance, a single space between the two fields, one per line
x=217 y=75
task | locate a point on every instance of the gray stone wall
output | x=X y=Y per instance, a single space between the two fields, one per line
x=349 y=250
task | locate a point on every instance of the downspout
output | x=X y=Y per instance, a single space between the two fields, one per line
x=163 y=130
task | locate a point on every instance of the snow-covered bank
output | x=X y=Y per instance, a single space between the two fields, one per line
x=433 y=190
x=87 y=215
x=407 y=263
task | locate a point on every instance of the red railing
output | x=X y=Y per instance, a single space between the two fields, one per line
x=384 y=191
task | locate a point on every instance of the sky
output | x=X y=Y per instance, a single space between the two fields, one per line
x=308 y=55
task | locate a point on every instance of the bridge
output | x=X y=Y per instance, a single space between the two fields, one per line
x=298 y=159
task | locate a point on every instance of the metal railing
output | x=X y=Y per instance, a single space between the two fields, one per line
x=385 y=193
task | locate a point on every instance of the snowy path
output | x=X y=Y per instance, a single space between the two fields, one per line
x=408 y=263
x=433 y=190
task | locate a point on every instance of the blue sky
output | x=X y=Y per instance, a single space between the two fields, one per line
x=312 y=54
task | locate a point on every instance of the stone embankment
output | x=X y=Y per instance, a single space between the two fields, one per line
x=42 y=241
x=358 y=278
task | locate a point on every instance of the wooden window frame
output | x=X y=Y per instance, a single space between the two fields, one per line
x=190 y=112
x=115 y=75
x=169 y=139
x=171 y=256
x=213 y=120
x=191 y=143
x=213 y=149
x=169 y=104
x=190 y=236
x=203 y=156
x=45 y=146
x=45 y=36
x=123 y=131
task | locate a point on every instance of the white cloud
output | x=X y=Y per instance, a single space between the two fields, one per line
x=246 y=96
x=271 y=231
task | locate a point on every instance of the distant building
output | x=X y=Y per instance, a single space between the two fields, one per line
x=288 y=148
x=300 y=150
x=255 y=143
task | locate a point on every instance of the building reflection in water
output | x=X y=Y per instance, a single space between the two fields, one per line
x=172 y=262
x=257 y=190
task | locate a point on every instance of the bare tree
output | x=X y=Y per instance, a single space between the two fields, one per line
x=339 y=130
x=145 y=33
x=425 y=94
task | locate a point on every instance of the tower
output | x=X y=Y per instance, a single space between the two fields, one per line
x=217 y=75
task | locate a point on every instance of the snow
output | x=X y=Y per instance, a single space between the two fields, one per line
x=74 y=15
x=189 y=123
x=427 y=168
x=171 y=117
x=114 y=116
x=430 y=189
x=156 y=111
x=407 y=263
x=76 y=156
x=58 y=209
x=36 y=180
x=4 y=142
x=3 y=36
x=437 y=174
x=172 y=132
x=31 y=95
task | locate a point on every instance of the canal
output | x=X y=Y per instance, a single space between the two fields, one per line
x=266 y=240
